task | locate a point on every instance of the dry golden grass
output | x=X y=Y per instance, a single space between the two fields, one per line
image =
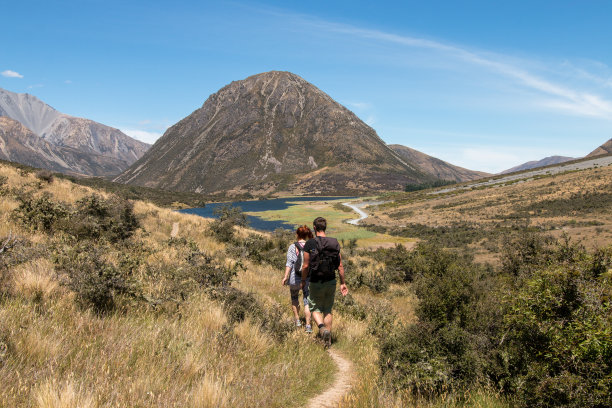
x=50 y=394
x=61 y=355
x=34 y=280
x=253 y=338
x=210 y=393
x=484 y=208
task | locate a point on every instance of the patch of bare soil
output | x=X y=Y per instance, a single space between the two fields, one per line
x=341 y=386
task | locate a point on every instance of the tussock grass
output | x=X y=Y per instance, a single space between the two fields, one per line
x=210 y=393
x=50 y=394
x=180 y=352
x=34 y=280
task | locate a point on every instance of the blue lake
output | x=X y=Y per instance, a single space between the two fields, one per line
x=259 y=206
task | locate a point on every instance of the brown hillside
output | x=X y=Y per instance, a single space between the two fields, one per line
x=268 y=133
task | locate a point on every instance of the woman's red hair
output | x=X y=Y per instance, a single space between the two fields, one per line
x=304 y=232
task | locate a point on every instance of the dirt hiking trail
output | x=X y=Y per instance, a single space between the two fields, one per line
x=331 y=397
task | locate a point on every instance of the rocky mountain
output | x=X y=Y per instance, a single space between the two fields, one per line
x=272 y=132
x=547 y=161
x=110 y=148
x=605 y=148
x=19 y=144
x=436 y=167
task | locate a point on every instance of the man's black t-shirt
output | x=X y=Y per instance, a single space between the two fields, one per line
x=329 y=245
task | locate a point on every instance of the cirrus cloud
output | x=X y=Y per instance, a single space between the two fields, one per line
x=11 y=74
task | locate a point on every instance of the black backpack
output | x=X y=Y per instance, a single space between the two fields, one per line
x=324 y=259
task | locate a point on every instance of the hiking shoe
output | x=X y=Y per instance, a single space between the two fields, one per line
x=298 y=323
x=326 y=335
x=308 y=329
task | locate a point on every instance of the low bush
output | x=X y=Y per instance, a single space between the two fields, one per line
x=348 y=306
x=539 y=329
x=95 y=218
x=239 y=305
x=229 y=217
x=91 y=218
x=424 y=186
x=40 y=213
x=96 y=282
x=559 y=332
x=45 y=175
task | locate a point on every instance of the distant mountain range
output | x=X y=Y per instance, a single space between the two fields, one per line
x=605 y=148
x=547 y=161
x=19 y=144
x=270 y=133
x=65 y=143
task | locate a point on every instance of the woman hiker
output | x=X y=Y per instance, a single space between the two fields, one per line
x=293 y=276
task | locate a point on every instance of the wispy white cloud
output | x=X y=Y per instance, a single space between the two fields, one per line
x=34 y=86
x=67 y=81
x=142 y=135
x=556 y=96
x=11 y=74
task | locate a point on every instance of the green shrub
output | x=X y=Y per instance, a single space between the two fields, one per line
x=348 y=306
x=424 y=186
x=95 y=218
x=239 y=305
x=97 y=283
x=381 y=319
x=540 y=329
x=399 y=263
x=40 y=213
x=410 y=361
x=228 y=217
x=559 y=332
x=204 y=270
x=45 y=175
x=452 y=346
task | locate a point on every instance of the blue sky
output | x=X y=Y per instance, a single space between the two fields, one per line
x=482 y=84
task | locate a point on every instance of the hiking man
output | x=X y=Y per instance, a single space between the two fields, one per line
x=321 y=259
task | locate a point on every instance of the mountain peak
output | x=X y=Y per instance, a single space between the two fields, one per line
x=94 y=141
x=271 y=132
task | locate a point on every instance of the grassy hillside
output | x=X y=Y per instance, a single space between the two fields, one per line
x=574 y=203
x=101 y=305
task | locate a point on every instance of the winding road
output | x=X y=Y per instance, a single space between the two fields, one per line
x=358 y=209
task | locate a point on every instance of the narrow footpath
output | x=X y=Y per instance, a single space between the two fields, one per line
x=331 y=397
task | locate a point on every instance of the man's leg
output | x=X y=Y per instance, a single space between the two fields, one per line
x=307 y=314
x=327 y=321
x=318 y=318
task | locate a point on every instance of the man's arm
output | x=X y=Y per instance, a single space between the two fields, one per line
x=343 y=288
x=305 y=264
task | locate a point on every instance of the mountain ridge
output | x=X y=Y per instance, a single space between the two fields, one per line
x=272 y=132
x=547 y=161
x=19 y=144
x=436 y=167
x=84 y=136
x=605 y=148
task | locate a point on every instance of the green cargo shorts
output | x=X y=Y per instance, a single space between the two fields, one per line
x=321 y=297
